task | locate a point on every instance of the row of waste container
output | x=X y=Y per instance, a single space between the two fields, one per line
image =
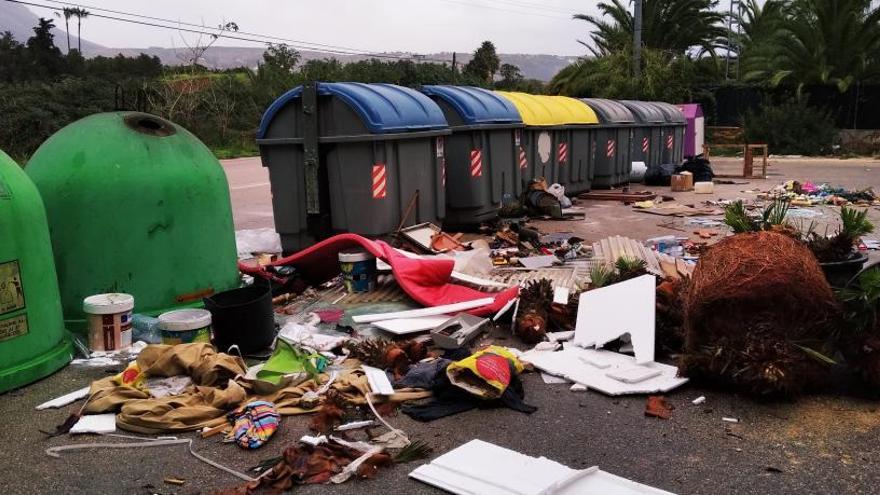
x=368 y=158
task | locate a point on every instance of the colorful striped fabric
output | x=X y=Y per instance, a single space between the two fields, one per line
x=253 y=424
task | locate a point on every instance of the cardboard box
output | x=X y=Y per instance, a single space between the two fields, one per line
x=682 y=182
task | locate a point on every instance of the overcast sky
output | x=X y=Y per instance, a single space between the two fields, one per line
x=421 y=26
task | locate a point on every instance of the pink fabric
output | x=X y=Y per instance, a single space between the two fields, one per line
x=424 y=280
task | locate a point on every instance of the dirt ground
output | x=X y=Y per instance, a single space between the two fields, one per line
x=822 y=443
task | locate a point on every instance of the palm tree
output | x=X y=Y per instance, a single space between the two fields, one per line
x=80 y=14
x=67 y=12
x=825 y=42
x=760 y=28
x=676 y=25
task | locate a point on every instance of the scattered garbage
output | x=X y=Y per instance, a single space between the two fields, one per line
x=658 y=407
x=351 y=330
x=806 y=193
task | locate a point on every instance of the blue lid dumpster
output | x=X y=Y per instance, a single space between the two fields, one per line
x=352 y=157
x=481 y=154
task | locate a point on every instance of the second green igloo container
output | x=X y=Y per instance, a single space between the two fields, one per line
x=139 y=205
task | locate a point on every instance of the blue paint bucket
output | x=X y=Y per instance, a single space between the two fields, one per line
x=358 y=270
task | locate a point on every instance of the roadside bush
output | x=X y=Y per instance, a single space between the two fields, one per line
x=31 y=112
x=791 y=128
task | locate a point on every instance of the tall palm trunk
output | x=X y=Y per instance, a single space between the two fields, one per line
x=67 y=31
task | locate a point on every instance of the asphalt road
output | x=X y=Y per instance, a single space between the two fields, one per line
x=826 y=443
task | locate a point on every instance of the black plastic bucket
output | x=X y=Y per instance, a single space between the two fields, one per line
x=839 y=273
x=242 y=317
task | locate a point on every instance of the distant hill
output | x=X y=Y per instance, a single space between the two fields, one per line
x=541 y=67
x=20 y=21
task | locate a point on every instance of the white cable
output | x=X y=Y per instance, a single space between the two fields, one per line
x=394 y=430
x=143 y=443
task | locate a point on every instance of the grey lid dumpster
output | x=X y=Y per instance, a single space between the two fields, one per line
x=352 y=157
x=673 y=132
x=645 y=139
x=481 y=154
x=612 y=161
x=557 y=139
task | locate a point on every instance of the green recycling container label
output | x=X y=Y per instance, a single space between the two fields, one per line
x=13 y=327
x=11 y=292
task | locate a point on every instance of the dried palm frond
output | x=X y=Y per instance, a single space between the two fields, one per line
x=413 y=452
x=372 y=352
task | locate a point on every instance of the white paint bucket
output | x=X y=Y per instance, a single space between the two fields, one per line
x=109 y=321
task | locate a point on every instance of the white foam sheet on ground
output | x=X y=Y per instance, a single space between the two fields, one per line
x=624 y=308
x=405 y=326
x=95 y=423
x=591 y=368
x=479 y=467
x=65 y=399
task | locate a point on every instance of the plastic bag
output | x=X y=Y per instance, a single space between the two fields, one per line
x=659 y=175
x=486 y=373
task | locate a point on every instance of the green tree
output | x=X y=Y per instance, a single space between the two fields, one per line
x=484 y=64
x=12 y=58
x=824 y=42
x=511 y=77
x=760 y=29
x=675 y=25
x=45 y=61
x=665 y=77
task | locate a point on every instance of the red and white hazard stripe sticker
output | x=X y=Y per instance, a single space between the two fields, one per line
x=476 y=163
x=562 y=152
x=610 y=148
x=523 y=161
x=443 y=171
x=669 y=140
x=645 y=143
x=380 y=182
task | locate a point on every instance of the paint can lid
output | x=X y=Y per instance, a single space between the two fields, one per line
x=181 y=320
x=108 y=304
x=355 y=255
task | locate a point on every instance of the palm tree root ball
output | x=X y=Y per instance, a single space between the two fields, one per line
x=756 y=316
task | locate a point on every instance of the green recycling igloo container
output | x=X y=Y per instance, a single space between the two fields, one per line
x=136 y=204
x=33 y=343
